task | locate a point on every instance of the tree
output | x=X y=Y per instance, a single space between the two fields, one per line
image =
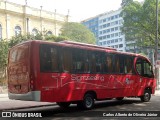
x=125 y=3
x=140 y=22
x=3 y=60
x=3 y=54
x=78 y=32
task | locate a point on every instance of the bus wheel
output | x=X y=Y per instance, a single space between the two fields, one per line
x=146 y=97
x=88 y=101
x=64 y=104
x=119 y=98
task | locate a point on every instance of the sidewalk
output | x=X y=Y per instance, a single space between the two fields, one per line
x=157 y=93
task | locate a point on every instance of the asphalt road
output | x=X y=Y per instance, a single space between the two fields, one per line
x=128 y=105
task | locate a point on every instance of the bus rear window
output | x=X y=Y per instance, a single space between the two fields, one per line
x=18 y=54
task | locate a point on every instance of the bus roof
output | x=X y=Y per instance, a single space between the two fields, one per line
x=83 y=46
x=87 y=45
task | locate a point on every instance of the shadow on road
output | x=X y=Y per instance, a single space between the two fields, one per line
x=101 y=106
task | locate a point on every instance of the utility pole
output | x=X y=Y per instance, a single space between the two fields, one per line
x=156 y=46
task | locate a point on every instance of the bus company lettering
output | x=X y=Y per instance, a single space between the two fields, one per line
x=80 y=78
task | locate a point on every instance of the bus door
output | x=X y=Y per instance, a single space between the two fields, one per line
x=129 y=75
x=49 y=71
x=144 y=75
x=125 y=75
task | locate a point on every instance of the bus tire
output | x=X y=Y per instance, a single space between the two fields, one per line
x=119 y=98
x=146 y=96
x=64 y=104
x=88 y=101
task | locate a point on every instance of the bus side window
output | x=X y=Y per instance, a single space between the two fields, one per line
x=92 y=62
x=80 y=61
x=139 y=66
x=49 y=58
x=44 y=59
x=144 y=68
x=117 y=64
x=54 y=59
x=128 y=65
x=109 y=63
x=66 y=59
x=97 y=62
x=147 y=69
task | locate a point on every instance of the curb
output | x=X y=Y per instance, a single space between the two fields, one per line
x=54 y=104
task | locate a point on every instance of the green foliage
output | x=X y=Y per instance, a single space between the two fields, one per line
x=78 y=32
x=55 y=38
x=126 y=2
x=3 y=53
x=140 y=22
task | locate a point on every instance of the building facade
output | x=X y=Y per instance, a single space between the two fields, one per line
x=92 y=24
x=108 y=31
x=21 y=19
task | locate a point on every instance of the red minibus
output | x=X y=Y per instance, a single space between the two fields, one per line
x=69 y=72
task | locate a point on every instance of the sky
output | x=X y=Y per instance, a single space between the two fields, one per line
x=78 y=9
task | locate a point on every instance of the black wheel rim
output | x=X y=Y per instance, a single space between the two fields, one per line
x=146 y=97
x=89 y=102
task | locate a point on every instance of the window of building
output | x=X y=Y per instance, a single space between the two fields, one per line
x=116 y=40
x=104 y=20
x=108 y=24
x=116 y=22
x=104 y=25
x=0 y=31
x=34 y=31
x=112 y=17
x=104 y=37
x=108 y=30
x=100 y=32
x=116 y=34
x=120 y=45
x=112 y=23
x=49 y=33
x=104 y=31
x=112 y=29
x=116 y=28
x=112 y=35
x=116 y=46
x=116 y=16
x=120 y=39
x=100 y=38
x=112 y=41
x=104 y=42
x=99 y=43
x=108 y=36
x=17 y=30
